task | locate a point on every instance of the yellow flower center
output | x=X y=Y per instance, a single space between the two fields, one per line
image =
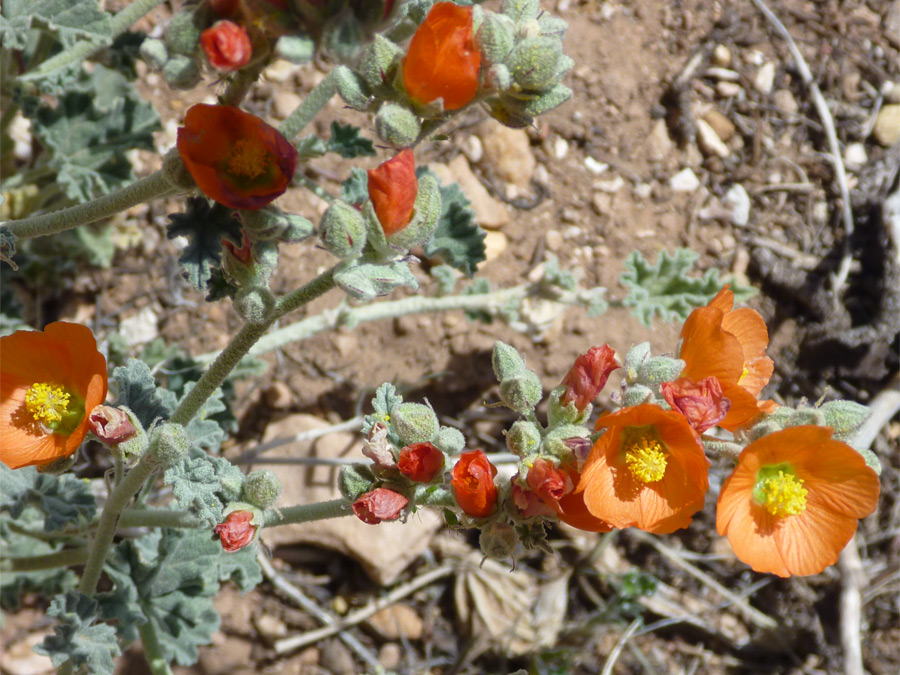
x=782 y=494
x=47 y=403
x=744 y=374
x=248 y=159
x=646 y=459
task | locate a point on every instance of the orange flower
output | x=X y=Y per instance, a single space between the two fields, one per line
x=588 y=376
x=420 y=462
x=50 y=382
x=702 y=403
x=226 y=45
x=379 y=504
x=442 y=60
x=648 y=470
x=794 y=499
x=393 y=187
x=234 y=157
x=473 y=484
x=237 y=531
x=729 y=345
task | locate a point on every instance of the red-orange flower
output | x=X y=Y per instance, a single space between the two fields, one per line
x=648 y=470
x=421 y=462
x=443 y=60
x=234 y=157
x=547 y=481
x=702 y=403
x=473 y=484
x=237 y=531
x=50 y=382
x=379 y=504
x=794 y=499
x=730 y=345
x=226 y=45
x=588 y=376
x=393 y=187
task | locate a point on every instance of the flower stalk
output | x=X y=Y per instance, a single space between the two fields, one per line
x=312 y=104
x=305 y=513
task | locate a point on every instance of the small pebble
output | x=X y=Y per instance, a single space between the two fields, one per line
x=720 y=124
x=709 y=141
x=473 y=148
x=594 y=166
x=554 y=240
x=887 y=125
x=739 y=201
x=541 y=175
x=891 y=91
x=765 y=78
x=560 y=148
x=721 y=56
x=684 y=181
x=785 y=100
x=723 y=74
x=728 y=89
x=494 y=244
x=280 y=71
x=643 y=190
x=610 y=186
x=855 y=155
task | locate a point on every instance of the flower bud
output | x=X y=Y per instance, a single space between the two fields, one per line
x=845 y=417
x=506 y=361
x=354 y=480
x=378 y=505
x=637 y=394
x=558 y=441
x=520 y=10
x=379 y=63
x=450 y=440
x=496 y=37
x=237 y=530
x=298 y=49
x=806 y=416
x=342 y=230
x=120 y=430
x=154 y=53
x=426 y=212
x=702 y=403
x=261 y=488
x=393 y=188
x=523 y=438
x=547 y=481
x=414 y=423
x=421 y=462
x=588 y=376
x=659 y=369
x=634 y=361
x=254 y=305
x=271 y=223
x=168 y=443
x=182 y=33
x=473 y=484
x=534 y=63
x=498 y=540
x=226 y=45
x=349 y=89
x=522 y=393
x=397 y=125
x=182 y=72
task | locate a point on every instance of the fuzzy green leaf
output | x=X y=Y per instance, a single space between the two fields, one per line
x=355 y=190
x=205 y=485
x=90 y=129
x=64 y=499
x=347 y=142
x=309 y=147
x=458 y=240
x=666 y=290
x=368 y=280
x=205 y=224
x=204 y=431
x=138 y=391
x=70 y=20
x=384 y=404
x=77 y=638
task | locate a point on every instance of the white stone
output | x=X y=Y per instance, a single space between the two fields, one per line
x=721 y=56
x=723 y=74
x=887 y=125
x=594 y=166
x=739 y=201
x=643 y=190
x=684 y=181
x=554 y=240
x=474 y=148
x=855 y=155
x=610 y=186
x=785 y=100
x=728 y=89
x=20 y=132
x=709 y=141
x=140 y=328
x=658 y=143
x=560 y=148
x=280 y=71
x=495 y=243
x=765 y=78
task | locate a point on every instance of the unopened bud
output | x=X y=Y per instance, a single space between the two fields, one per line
x=239 y=528
x=522 y=393
x=520 y=10
x=534 y=62
x=380 y=62
x=637 y=394
x=182 y=72
x=414 y=423
x=349 y=88
x=342 y=230
x=496 y=37
x=298 y=49
x=397 y=125
x=254 y=305
x=154 y=53
x=523 y=438
x=506 y=361
x=182 y=33
x=169 y=443
x=271 y=223
x=845 y=417
x=354 y=480
x=498 y=540
x=262 y=488
x=450 y=440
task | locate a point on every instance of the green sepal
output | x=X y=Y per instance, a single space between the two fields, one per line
x=558 y=414
x=355 y=190
x=522 y=393
x=349 y=88
x=355 y=480
x=506 y=361
x=496 y=37
x=634 y=361
x=414 y=423
x=637 y=394
x=520 y=10
x=183 y=32
x=523 y=438
x=845 y=417
x=397 y=125
x=182 y=72
x=342 y=230
x=271 y=223
x=554 y=442
x=421 y=227
x=366 y=281
x=379 y=63
x=659 y=369
x=534 y=63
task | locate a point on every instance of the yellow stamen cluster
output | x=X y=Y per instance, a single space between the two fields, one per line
x=784 y=494
x=248 y=159
x=646 y=459
x=47 y=403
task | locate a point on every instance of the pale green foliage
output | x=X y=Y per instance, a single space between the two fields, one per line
x=77 y=638
x=138 y=391
x=66 y=500
x=69 y=20
x=205 y=486
x=458 y=239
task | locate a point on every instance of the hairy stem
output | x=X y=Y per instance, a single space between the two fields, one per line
x=158 y=518
x=153 y=186
x=65 y=558
x=153 y=651
x=241 y=82
x=306 y=111
x=304 y=513
x=242 y=343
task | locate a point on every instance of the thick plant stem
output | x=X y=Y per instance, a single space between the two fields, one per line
x=153 y=186
x=80 y=51
x=241 y=344
x=305 y=513
x=109 y=519
x=153 y=651
x=241 y=82
x=306 y=111
x=65 y=558
x=158 y=518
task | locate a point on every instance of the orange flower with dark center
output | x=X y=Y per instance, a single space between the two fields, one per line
x=473 y=484
x=393 y=188
x=226 y=45
x=730 y=345
x=588 y=376
x=421 y=462
x=237 y=531
x=794 y=499
x=443 y=60
x=234 y=157
x=647 y=471
x=50 y=382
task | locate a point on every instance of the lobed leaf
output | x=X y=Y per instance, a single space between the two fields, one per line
x=63 y=499
x=69 y=20
x=205 y=224
x=205 y=485
x=347 y=142
x=458 y=240
x=77 y=638
x=138 y=391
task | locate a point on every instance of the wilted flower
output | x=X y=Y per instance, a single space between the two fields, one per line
x=729 y=345
x=237 y=531
x=588 y=376
x=648 y=470
x=702 y=403
x=443 y=60
x=393 y=187
x=50 y=382
x=793 y=501
x=378 y=505
x=421 y=462
x=111 y=425
x=234 y=157
x=226 y=45
x=548 y=481
x=473 y=484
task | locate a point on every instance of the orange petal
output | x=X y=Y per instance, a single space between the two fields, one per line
x=572 y=510
x=811 y=541
x=708 y=349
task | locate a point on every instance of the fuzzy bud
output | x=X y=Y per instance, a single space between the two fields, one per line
x=534 y=63
x=261 y=488
x=154 y=53
x=168 y=443
x=271 y=223
x=496 y=37
x=634 y=361
x=379 y=63
x=182 y=72
x=520 y=10
x=421 y=462
x=806 y=416
x=342 y=230
x=845 y=417
x=660 y=369
x=522 y=393
x=506 y=361
x=254 y=305
x=450 y=440
x=523 y=438
x=182 y=33
x=397 y=125
x=414 y=423
x=498 y=540
x=349 y=89
x=637 y=394
x=354 y=480
x=226 y=45
x=379 y=505
x=298 y=49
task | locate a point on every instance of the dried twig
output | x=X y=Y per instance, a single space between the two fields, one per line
x=854 y=579
x=620 y=645
x=840 y=278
